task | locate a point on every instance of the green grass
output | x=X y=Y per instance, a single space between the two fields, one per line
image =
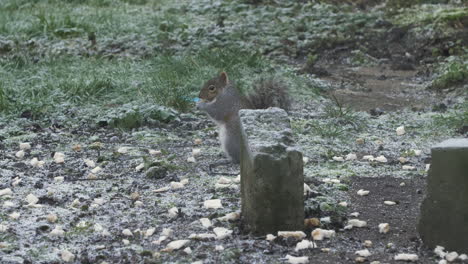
x=454 y=119
x=56 y=83
x=452 y=73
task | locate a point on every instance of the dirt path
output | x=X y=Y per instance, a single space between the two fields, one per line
x=379 y=87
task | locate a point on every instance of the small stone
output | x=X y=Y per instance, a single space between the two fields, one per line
x=237 y=179
x=184 y=181
x=270 y=237
x=96 y=170
x=196 y=152
x=305 y=244
x=59 y=157
x=51 y=218
x=138 y=204
x=149 y=232
x=57 y=232
x=297 y=260
x=14 y=215
x=368 y=157
x=402 y=160
x=351 y=156
x=206 y=222
x=320 y=234
x=367 y=243
x=67 y=256
x=384 y=228
x=140 y=167
x=363 y=253
x=203 y=236
x=463 y=257
x=176 y=185
x=224 y=180
x=167 y=232
x=402 y=184
x=452 y=256
x=354 y=214
x=335 y=158
x=222 y=232
x=188 y=250
x=59 y=179
x=173 y=212
x=3 y=228
x=122 y=150
x=16 y=181
x=305 y=160
x=400 y=130
x=389 y=202
x=295 y=234
x=311 y=222
x=406 y=257
x=417 y=152
x=175 y=245
x=92 y=176
x=360 y=259
x=360 y=141
x=428 y=166
x=32 y=199
x=154 y=152
x=5 y=192
x=34 y=162
x=381 y=159
x=191 y=160
x=344 y=204
x=98 y=227
x=127 y=232
x=325 y=250
x=163 y=189
x=363 y=192
x=76 y=147
x=334 y=181
x=20 y=154
x=89 y=163
x=357 y=223
x=307 y=189
x=8 y=204
x=230 y=217
x=219 y=248
x=126 y=242
x=408 y=167
x=197 y=141
x=135 y=196
x=25 y=146
x=439 y=251
x=442 y=261
x=325 y=220
x=212 y=204
x=375 y=262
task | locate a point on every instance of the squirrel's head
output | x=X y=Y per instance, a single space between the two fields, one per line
x=212 y=88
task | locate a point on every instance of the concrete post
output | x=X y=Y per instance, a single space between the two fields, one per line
x=272 y=178
x=444 y=211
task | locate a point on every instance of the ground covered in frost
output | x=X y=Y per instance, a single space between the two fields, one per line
x=104 y=159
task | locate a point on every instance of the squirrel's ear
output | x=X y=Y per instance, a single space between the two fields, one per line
x=224 y=78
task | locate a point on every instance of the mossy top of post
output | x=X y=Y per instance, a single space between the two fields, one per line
x=261 y=135
x=453 y=143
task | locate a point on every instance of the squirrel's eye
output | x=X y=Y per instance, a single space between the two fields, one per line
x=212 y=88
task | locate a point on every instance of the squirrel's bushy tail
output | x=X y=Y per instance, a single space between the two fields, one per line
x=270 y=93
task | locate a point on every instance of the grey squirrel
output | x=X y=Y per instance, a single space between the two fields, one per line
x=222 y=102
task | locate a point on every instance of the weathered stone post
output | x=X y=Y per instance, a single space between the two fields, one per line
x=444 y=211
x=272 y=180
